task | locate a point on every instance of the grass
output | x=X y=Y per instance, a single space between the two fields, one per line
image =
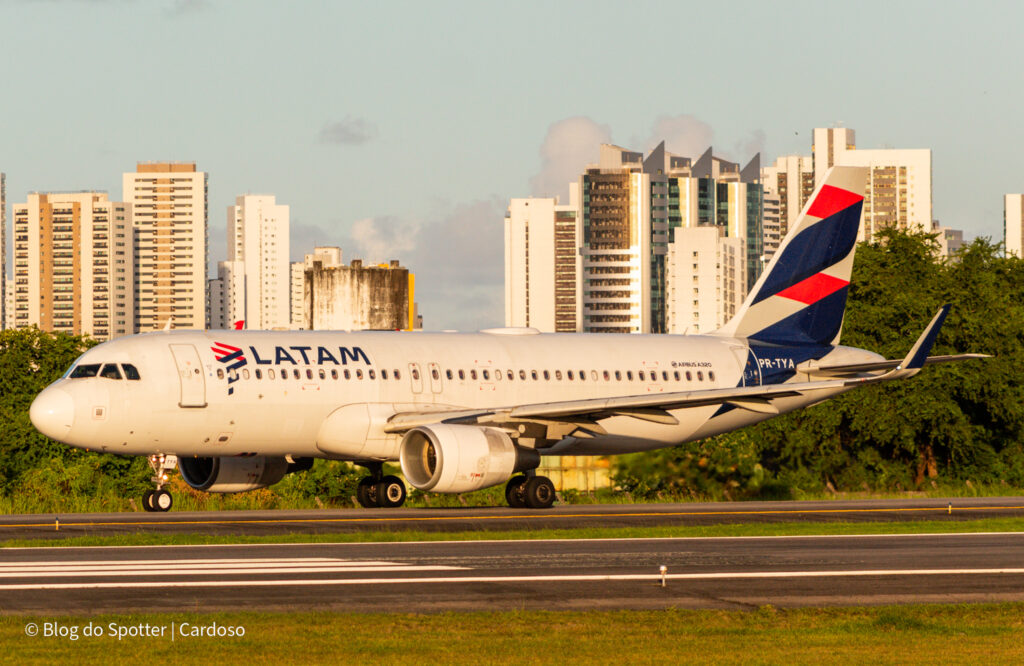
x=393 y=535
x=988 y=633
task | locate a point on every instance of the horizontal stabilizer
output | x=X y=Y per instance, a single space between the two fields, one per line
x=858 y=368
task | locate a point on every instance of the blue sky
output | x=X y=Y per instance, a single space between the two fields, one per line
x=400 y=129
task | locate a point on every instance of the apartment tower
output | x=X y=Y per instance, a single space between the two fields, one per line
x=168 y=201
x=73 y=264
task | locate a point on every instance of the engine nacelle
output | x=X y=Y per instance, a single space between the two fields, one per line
x=457 y=458
x=232 y=475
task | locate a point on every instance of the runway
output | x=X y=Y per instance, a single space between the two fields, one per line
x=57 y=526
x=742 y=572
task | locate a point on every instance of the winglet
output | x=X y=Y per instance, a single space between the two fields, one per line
x=919 y=352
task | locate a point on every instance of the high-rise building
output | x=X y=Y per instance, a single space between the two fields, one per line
x=327 y=257
x=169 y=219
x=899 y=188
x=542 y=264
x=705 y=279
x=1013 y=224
x=791 y=181
x=9 y=305
x=258 y=238
x=4 y=312
x=225 y=296
x=771 y=219
x=73 y=264
x=950 y=240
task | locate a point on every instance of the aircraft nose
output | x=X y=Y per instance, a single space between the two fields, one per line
x=53 y=413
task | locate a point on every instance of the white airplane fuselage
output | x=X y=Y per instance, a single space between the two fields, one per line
x=330 y=394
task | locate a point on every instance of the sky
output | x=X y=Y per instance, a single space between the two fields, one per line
x=400 y=130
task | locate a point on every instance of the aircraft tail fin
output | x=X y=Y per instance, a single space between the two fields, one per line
x=801 y=296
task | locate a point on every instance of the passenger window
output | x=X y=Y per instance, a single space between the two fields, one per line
x=654 y=376
x=359 y=374
x=522 y=375
x=295 y=373
x=398 y=375
x=497 y=375
x=284 y=373
x=434 y=374
x=372 y=373
x=569 y=375
x=245 y=373
x=130 y=372
x=675 y=375
x=415 y=374
x=607 y=377
x=700 y=376
x=270 y=373
x=259 y=374
x=689 y=377
x=462 y=374
x=583 y=375
x=334 y=373
x=618 y=376
x=533 y=374
x=558 y=375
x=593 y=375
x=547 y=375
x=110 y=371
x=323 y=373
x=348 y=374
x=487 y=374
x=629 y=375
x=383 y=374
x=664 y=375
x=472 y=374
x=711 y=376
x=83 y=371
x=511 y=375
x=233 y=375
x=220 y=373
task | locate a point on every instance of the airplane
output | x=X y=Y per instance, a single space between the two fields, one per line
x=238 y=410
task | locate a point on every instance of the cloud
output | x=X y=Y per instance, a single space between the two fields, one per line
x=379 y=239
x=684 y=135
x=569 y=146
x=351 y=131
x=753 y=143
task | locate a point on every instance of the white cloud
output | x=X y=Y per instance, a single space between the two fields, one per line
x=684 y=135
x=350 y=131
x=379 y=239
x=569 y=146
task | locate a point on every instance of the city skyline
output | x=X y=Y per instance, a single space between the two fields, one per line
x=394 y=139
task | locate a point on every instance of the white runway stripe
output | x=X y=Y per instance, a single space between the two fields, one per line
x=513 y=579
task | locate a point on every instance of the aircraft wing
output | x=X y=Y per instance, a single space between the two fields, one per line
x=655 y=407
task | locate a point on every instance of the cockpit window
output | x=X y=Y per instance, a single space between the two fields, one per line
x=85 y=370
x=130 y=372
x=110 y=371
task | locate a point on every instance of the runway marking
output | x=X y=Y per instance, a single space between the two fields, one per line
x=513 y=579
x=399 y=519
x=170 y=568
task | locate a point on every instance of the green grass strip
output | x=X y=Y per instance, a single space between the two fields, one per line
x=384 y=535
x=983 y=633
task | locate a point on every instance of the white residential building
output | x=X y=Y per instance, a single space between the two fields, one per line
x=73 y=264
x=4 y=312
x=169 y=218
x=542 y=264
x=9 y=305
x=899 y=187
x=226 y=296
x=258 y=242
x=705 y=279
x=791 y=181
x=1013 y=225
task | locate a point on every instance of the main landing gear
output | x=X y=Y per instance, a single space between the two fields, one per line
x=159 y=500
x=530 y=491
x=379 y=491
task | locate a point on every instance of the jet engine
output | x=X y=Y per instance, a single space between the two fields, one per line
x=232 y=475
x=456 y=458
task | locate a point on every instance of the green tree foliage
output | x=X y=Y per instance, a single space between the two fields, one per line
x=953 y=422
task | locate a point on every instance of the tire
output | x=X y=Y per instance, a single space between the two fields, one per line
x=514 y=494
x=539 y=492
x=147 y=501
x=162 y=501
x=390 y=492
x=366 y=493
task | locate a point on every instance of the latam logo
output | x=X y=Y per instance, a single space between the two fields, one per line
x=232 y=357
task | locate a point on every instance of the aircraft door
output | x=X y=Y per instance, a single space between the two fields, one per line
x=435 y=377
x=190 y=374
x=416 y=378
x=752 y=370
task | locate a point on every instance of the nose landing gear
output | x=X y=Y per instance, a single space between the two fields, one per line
x=159 y=500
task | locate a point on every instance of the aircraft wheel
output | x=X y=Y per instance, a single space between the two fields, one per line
x=162 y=501
x=390 y=492
x=514 y=492
x=539 y=492
x=366 y=493
x=147 y=501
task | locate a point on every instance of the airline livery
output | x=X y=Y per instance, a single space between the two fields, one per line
x=238 y=410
